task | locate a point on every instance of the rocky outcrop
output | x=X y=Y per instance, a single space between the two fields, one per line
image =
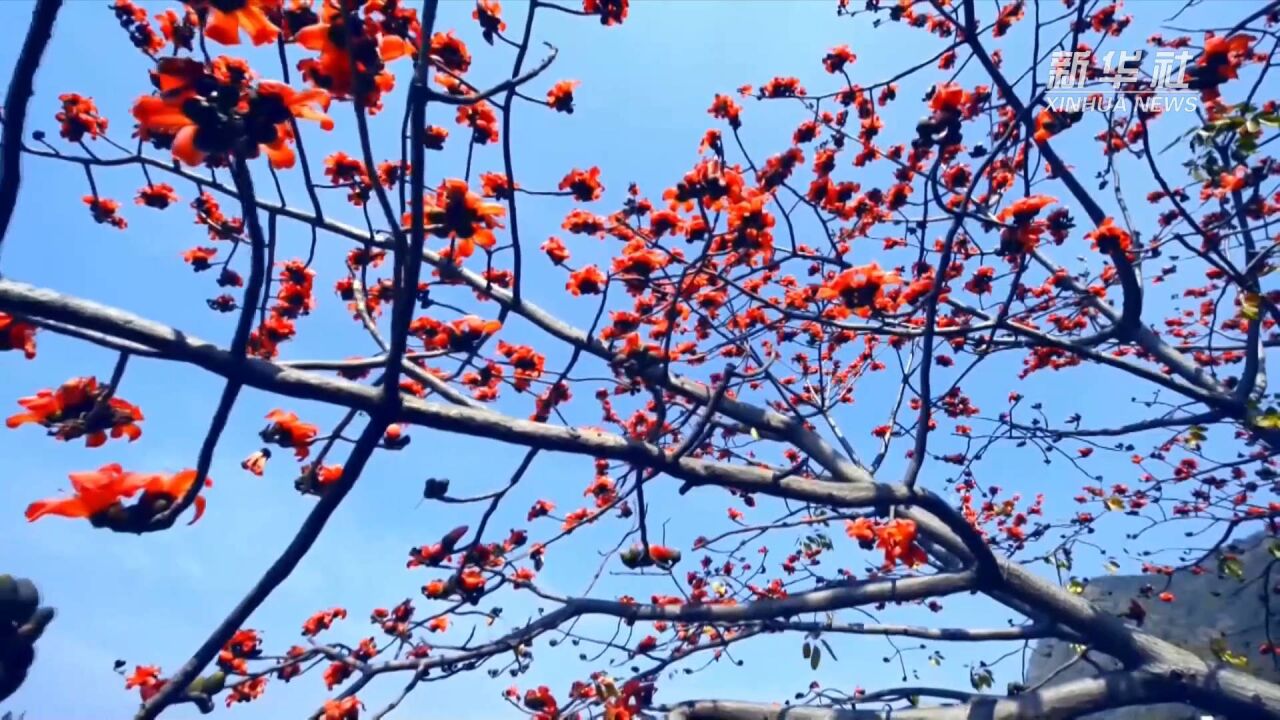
x=1210 y=611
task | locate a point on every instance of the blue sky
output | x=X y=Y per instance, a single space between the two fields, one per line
x=641 y=111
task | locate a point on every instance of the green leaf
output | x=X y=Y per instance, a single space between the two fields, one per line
x=815 y=658
x=1220 y=649
x=1270 y=420
x=1075 y=586
x=1231 y=566
x=830 y=652
x=1196 y=435
x=1250 y=305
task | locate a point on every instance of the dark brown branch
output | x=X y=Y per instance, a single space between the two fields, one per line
x=21 y=87
x=276 y=574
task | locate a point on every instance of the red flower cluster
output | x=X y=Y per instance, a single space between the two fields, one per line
x=17 y=335
x=80 y=408
x=896 y=538
x=79 y=117
x=216 y=110
x=98 y=495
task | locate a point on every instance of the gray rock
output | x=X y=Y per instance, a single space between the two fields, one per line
x=1207 y=606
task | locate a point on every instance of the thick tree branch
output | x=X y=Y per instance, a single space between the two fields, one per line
x=21 y=86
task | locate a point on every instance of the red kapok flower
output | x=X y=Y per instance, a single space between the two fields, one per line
x=17 y=335
x=560 y=96
x=1109 y=237
x=227 y=17
x=286 y=430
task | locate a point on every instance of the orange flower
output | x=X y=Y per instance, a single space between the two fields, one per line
x=181 y=31
x=461 y=334
x=862 y=529
x=835 y=60
x=305 y=105
x=1024 y=236
x=79 y=117
x=584 y=185
x=1050 y=123
x=174 y=487
x=104 y=211
x=328 y=474
x=99 y=491
x=575 y=518
x=17 y=335
x=587 y=281
x=158 y=196
x=199 y=127
x=1109 y=237
x=243 y=644
x=353 y=56
x=466 y=332
x=489 y=14
x=347 y=708
x=482 y=120
x=458 y=214
x=664 y=555
x=541 y=508
x=288 y=431
x=250 y=690
x=1025 y=209
x=581 y=222
x=555 y=249
x=264 y=341
x=95 y=492
x=1220 y=62
x=948 y=99
x=433 y=137
x=450 y=52
x=147 y=679
x=143 y=676
x=76 y=409
x=227 y=17
x=471 y=580
x=439 y=624
x=199 y=257
x=528 y=364
x=861 y=289
x=322 y=620
x=611 y=12
x=494 y=185
x=724 y=108
x=560 y=96
x=782 y=87
x=897 y=539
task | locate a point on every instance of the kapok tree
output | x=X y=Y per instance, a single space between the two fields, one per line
x=940 y=274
